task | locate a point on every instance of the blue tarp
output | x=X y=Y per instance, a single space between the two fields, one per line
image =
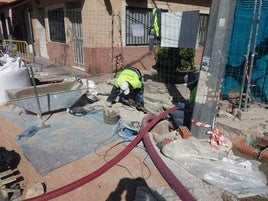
x=240 y=41
x=67 y=138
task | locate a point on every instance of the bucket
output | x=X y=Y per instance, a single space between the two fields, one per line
x=111 y=116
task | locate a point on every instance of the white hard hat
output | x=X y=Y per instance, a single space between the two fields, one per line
x=125 y=87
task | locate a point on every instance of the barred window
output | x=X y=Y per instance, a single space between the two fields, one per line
x=56 y=25
x=141 y=17
x=140 y=20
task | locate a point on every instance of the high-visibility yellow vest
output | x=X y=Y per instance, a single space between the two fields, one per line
x=130 y=76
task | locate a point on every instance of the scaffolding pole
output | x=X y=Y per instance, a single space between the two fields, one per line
x=247 y=55
x=253 y=56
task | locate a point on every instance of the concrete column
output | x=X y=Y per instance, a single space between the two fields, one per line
x=213 y=64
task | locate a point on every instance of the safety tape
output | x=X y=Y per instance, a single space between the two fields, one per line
x=216 y=137
x=200 y=124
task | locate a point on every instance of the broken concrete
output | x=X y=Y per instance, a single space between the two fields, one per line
x=158 y=95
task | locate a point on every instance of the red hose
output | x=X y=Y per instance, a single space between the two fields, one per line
x=69 y=187
x=172 y=180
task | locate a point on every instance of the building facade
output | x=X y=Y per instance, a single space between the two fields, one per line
x=94 y=36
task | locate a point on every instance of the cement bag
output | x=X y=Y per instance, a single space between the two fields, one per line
x=11 y=78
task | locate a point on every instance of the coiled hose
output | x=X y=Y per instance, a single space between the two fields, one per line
x=175 y=184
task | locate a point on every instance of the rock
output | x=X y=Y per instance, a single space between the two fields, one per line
x=36 y=190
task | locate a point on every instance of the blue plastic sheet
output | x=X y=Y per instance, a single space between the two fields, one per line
x=239 y=42
x=67 y=139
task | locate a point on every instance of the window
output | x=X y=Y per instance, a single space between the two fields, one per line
x=56 y=25
x=142 y=18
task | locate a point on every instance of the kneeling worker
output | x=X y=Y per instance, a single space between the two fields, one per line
x=129 y=87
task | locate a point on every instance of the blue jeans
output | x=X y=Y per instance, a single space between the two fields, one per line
x=177 y=117
x=182 y=117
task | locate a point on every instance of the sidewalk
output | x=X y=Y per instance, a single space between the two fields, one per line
x=157 y=95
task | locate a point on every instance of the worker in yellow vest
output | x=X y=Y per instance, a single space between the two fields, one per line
x=129 y=87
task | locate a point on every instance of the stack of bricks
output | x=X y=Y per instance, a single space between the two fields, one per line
x=166 y=141
x=240 y=144
x=184 y=132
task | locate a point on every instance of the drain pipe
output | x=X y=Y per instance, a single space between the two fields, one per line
x=172 y=180
x=80 y=182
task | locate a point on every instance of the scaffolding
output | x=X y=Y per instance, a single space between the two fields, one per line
x=246 y=67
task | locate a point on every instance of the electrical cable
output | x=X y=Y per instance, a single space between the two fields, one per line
x=122 y=166
x=146 y=165
x=171 y=179
x=103 y=142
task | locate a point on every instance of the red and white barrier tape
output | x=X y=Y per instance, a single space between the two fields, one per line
x=200 y=124
x=216 y=137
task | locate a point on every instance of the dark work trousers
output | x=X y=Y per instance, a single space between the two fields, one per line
x=182 y=117
x=113 y=95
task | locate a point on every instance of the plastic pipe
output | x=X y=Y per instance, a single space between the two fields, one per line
x=172 y=180
x=80 y=182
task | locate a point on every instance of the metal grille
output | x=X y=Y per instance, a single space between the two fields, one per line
x=250 y=4
x=143 y=16
x=246 y=68
x=76 y=20
x=140 y=16
x=56 y=25
x=16 y=48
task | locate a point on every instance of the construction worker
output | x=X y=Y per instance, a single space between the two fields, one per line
x=129 y=87
x=183 y=116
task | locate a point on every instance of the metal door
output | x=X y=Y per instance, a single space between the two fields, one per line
x=76 y=19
